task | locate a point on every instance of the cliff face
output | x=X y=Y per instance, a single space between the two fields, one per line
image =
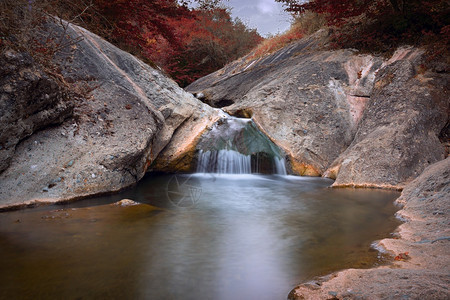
x=104 y=140
x=360 y=119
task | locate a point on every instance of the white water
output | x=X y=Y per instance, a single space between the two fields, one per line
x=232 y=162
x=280 y=165
x=236 y=146
x=224 y=162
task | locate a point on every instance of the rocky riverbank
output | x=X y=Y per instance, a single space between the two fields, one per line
x=421 y=266
x=363 y=120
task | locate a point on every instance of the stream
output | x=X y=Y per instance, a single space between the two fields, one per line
x=201 y=236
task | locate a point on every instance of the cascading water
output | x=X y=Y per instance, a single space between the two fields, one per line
x=224 y=162
x=236 y=146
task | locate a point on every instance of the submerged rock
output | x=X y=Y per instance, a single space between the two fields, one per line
x=125 y=202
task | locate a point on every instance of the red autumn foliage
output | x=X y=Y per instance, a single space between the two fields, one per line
x=210 y=40
x=186 y=43
x=402 y=256
x=380 y=25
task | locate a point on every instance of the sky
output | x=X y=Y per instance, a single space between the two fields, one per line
x=267 y=16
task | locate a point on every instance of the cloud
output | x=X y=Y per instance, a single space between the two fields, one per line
x=267 y=6
x=267 y=16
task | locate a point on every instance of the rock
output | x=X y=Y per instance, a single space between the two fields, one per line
x=180 y=154
x=359 y=119
x=125 y=114
x=29 y=100
x=398 y=134
x=125 y=202
x=332 y=293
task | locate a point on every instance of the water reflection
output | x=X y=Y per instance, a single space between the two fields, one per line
x=244 y=237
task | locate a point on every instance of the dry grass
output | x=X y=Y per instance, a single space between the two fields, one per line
x=271 y=45
x=309 y=22
x=303 y=25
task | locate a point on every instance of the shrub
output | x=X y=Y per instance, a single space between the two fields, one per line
x=309 y=22
x=381 y=25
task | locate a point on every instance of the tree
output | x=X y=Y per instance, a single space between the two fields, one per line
x=187 y=42
x=380 y=24
x=210 y=40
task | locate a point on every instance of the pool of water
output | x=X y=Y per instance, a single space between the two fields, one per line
x=194 y=237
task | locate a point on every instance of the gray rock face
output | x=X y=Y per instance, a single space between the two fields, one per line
x=397 y=137
x=309 y=102
x=29 y=100
x=127 y=115
x=358 y=118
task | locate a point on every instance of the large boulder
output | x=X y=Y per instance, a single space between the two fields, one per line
x=126 y=113
x=397 y=137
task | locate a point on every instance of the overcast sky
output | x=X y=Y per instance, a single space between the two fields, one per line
x=267 y=16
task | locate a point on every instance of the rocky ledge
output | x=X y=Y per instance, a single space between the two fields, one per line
x=421 y=266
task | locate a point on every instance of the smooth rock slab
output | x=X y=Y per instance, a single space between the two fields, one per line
x=308 y=101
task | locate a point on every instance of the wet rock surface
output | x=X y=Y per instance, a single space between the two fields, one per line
x=421 y=265
x=127 y=115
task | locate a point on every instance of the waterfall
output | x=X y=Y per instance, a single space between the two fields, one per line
x=224 y=162
x=236 y=146
x=280 y=164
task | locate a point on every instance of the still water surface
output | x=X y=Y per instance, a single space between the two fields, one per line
x=201 y=237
